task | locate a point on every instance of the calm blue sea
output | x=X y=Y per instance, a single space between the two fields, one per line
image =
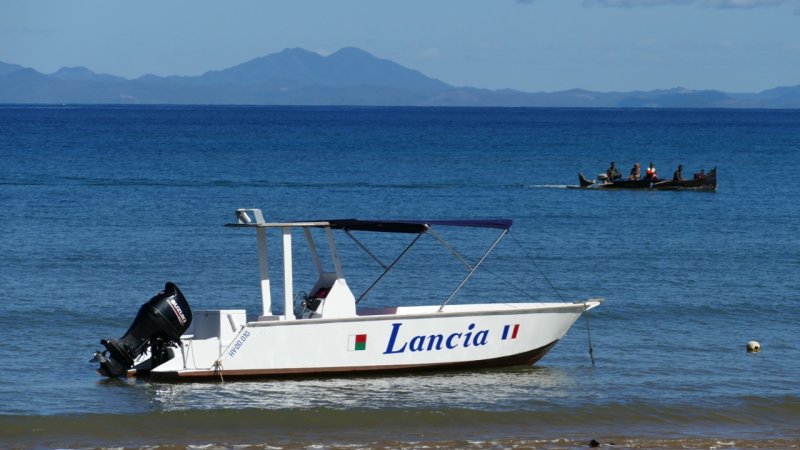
x=99 y=206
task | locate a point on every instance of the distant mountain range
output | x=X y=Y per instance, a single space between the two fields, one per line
x=347 y=77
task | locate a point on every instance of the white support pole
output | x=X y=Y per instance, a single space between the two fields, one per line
x=313 y=248
x=473 y=269
x=263 y=267
x=288 y=284
x=334 y=254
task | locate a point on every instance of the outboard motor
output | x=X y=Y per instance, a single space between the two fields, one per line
x=160 y=323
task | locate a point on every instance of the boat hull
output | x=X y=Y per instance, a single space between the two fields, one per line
x=526 y=358
x=411 y=339
x=707 y=183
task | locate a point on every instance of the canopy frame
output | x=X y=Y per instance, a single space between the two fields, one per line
x=254 y=218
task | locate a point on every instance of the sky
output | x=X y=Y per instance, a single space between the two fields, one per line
x=528 y=45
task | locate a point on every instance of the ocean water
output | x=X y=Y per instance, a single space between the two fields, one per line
x=99 y=206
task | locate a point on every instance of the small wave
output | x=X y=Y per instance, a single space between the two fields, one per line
x=146 y=182
x=554 y=186
x=636 y=425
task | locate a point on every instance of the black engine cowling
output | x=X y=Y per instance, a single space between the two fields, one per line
x=159 y=323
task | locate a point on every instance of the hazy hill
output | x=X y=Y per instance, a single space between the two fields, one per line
x=83 y=74
x=348 y=67
x=8 y=68
x=347 y=77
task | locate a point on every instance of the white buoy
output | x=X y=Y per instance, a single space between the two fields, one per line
x=753 y=347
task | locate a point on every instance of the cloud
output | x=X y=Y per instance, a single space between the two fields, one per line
x=721 y=4
x=634 y=3
x=711 y=4
x=747 y=4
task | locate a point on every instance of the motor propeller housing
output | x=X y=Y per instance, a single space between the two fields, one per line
x=159 y=323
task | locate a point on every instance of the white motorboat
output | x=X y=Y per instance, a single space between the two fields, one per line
x=327 y=332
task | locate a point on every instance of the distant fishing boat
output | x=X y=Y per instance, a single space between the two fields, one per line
x=327 y=332
x=704 y=182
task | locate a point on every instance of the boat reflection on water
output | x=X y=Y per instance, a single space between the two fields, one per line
x=507 y=388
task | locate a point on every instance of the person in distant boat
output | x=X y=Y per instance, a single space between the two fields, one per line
x=636 y=172
x=613 y=173
x=650 y=173
x=700 y=175
x=678 y=175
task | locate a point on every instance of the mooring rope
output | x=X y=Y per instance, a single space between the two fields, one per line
x=218 y=369
x=552 y=286
x=588 y=333
x=533 y=262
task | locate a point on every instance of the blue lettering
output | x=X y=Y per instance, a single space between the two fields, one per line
x=392 y=339
x=468 y=334
x=432 y=342
x=449 y=343
x=416 y=343
x=435 y=341
x=238 y=344
x=480 y=338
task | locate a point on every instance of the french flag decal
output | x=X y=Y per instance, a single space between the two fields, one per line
x=510 y=331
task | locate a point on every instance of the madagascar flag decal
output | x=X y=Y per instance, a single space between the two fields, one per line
x=510 y=331
x=357 y=342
